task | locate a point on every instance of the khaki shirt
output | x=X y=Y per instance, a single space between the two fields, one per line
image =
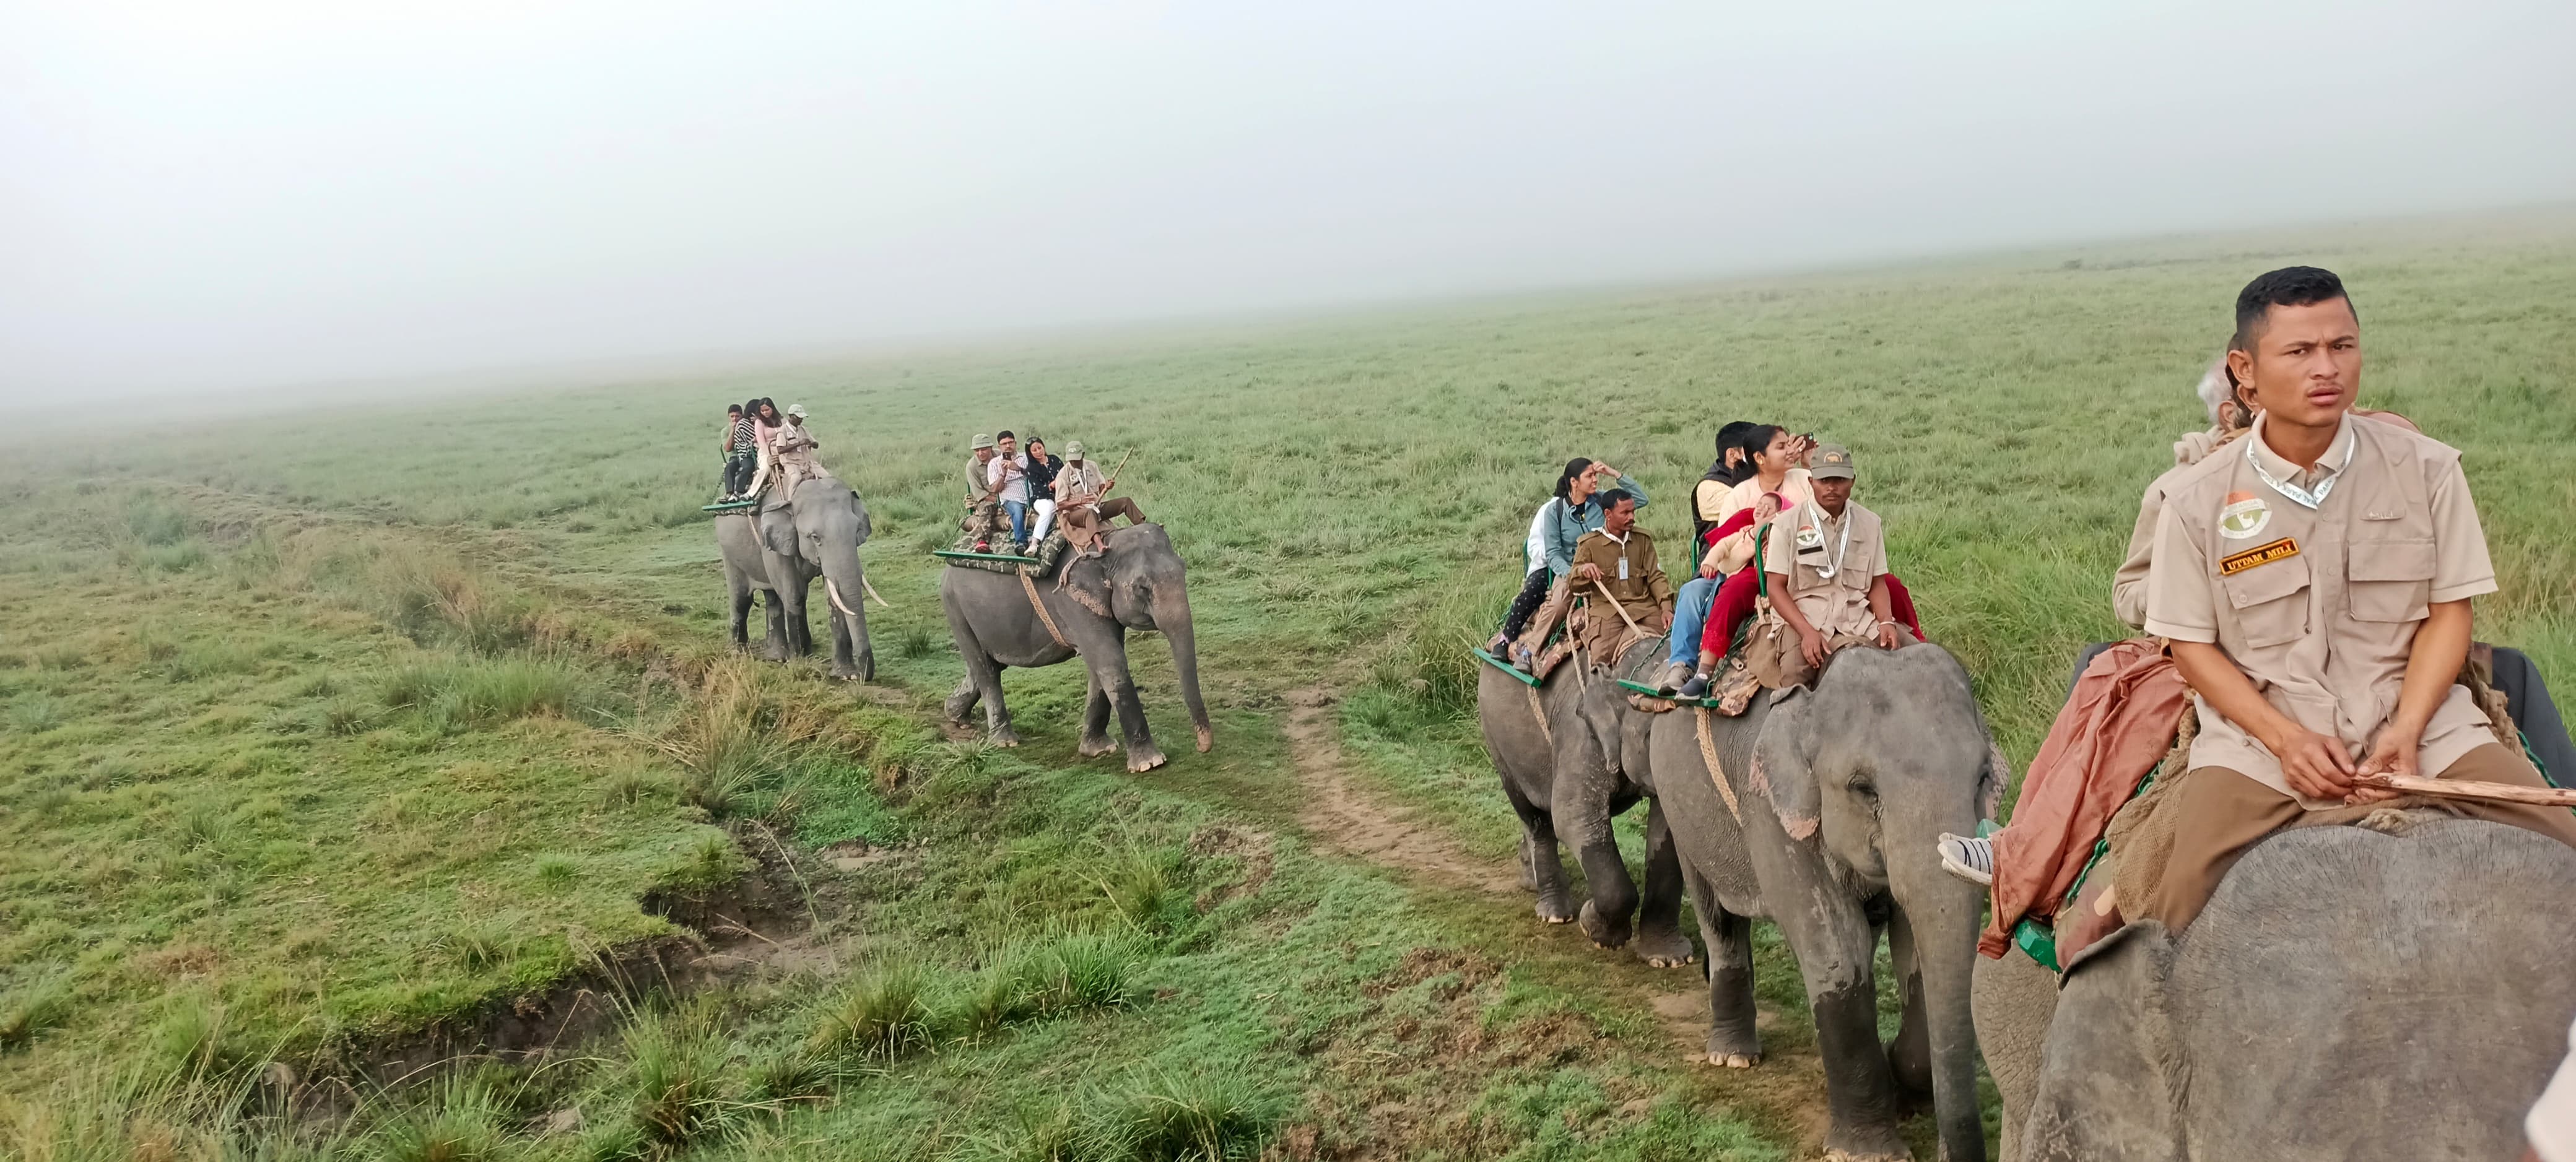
x=977 y=489
x=1640 y=588
x=2129 y=583
x=1078 y=483
x=1805 y=543
x=2320 y=607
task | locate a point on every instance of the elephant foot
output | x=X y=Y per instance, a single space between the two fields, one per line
x=1141 y=761
x=1002 y=736
x=1092 y=748
x=1666 y=949
x=867 y=667
x=1603 y=933
x=1555 y=908
x=1207 y=740
x=772 y=654
x=958 y=706
x=1733 y=1060
x=1883 y=1145
x=1734 y=1051
x=846 y=673
x=1874 y=1156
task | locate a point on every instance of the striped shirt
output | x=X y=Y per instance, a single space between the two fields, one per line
x=741 y=444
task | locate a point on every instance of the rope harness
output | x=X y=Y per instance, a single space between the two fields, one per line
x=1031 y=588
x=1716 y=773
x=1540 y=713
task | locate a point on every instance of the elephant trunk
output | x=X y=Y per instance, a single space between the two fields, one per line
x=1944 y=913
x=843 y=585
x=1172 y=616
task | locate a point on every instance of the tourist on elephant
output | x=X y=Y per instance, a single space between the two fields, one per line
x=1082 y=498
x=1829 y=558
x=2304 y=652
x=739 y=456
x=1772 y=479
x=1042 y=469
x=1615 y=564
x=1554 y=531
x=1733 y=466
x=1008 y=473
x=983 y=510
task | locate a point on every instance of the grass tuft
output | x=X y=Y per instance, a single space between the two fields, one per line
x=678 y=1077
x=879 y=1016
x=1206 y=1116
x=26 y=1013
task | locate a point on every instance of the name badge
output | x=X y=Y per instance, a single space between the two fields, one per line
x=1623 y=568
x=2280 y=550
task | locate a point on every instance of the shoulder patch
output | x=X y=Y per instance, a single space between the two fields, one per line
x=2243 y=515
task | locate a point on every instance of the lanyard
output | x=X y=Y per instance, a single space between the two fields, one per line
x=2296 y=494
x=1842 y=549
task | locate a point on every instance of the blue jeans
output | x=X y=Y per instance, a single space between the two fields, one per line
x=1019 y=510
x=1690 y=614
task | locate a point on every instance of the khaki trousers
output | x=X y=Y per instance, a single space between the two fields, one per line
x=2223 y=812
x=1773 y=657
x=1560 y=594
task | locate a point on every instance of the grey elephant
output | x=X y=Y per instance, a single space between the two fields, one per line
x=1563 y=750
x=2398 y=991
x=1820 y=812
x=779 y=550
x=1003 y=619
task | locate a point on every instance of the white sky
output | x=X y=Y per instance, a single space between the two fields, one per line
x=206 y=195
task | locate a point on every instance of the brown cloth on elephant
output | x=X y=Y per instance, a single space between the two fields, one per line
x=1772 y=656
x=2116 y=726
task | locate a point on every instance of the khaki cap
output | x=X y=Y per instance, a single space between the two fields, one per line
x=1073 y=451
x=1831 y=462
x=982 y=441
x=797 y=410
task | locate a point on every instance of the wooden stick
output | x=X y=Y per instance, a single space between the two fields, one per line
x=2468 y=789
x=1112 y=482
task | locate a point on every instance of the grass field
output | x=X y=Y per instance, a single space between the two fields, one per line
x=328 y=748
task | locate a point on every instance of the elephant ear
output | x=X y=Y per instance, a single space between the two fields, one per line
x=859 y=515
x=1991 y=779
x=1783 y=771
x=2107 y=1085
x=778 y=530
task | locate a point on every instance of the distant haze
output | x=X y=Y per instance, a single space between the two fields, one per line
x=205 y=196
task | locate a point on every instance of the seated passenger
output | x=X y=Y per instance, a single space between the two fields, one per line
x=2251 y=575
x=1829 y=560
x=983 y=506
x=1008 y=473
x=1042 y=471
x=792 y=450
x=1616 y=564
x=1560 y=524
x=1773 y=480
x=1082 y=498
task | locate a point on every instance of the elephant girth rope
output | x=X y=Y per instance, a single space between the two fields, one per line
x=1031 y=588
x=1716 y=773
x=1540 y=713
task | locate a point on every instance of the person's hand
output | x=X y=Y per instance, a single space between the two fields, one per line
x=1811 y=646
x=1886 y=636
x=2393 y=753
x=2313 y=765
x=1601 y=470
x=1587 y=571
x=1707 y=571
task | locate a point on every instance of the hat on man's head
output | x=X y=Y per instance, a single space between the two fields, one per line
x=1073 y=451
x=1831 y=462
x=982 y=442
x=797 y=410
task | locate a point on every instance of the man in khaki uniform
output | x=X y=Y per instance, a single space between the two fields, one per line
x=983 y=497
x=1081 y=500
x=2314 y=579
x=1825 y=568
x=1620 y=558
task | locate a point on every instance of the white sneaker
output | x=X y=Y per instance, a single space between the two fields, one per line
x=1972 y=860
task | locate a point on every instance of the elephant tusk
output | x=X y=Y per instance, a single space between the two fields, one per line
x=871 y=587
x=834 y=592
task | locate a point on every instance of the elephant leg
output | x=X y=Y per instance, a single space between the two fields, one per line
x=1909 y=1057
x=1733 y=1040
x=774 y=644
x=1660 y=941
x=1095 y=723
x=741 y=615
x=800 y=632
x=1542 y=871
x=1835 y=944
x=961 y=702
x=1580 y=805
x=1108 y=662
x=844 y=664
x=984 y=675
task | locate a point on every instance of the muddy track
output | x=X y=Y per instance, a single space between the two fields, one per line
x=1346 y=817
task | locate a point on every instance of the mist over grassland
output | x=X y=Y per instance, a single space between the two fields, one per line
x=321 y=732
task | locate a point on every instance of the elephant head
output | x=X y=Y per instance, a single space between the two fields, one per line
x=1140 y=582
x=827 y=524
x=1875 y=780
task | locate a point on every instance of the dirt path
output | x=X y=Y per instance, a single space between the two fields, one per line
x=1349 y=818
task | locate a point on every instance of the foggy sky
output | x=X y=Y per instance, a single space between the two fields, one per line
x=200 y=196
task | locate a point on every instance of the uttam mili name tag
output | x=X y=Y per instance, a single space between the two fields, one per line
x=2280 y=550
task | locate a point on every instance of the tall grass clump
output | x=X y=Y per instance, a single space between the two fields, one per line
x=35 y=713
x=1201 y=1116
x=435 y=595
x=461 y=1120
x=28 y=1011
x=1430 y=663
x=483 y=691
x=880 y=1016
x=679 y=1082
x=737 y=736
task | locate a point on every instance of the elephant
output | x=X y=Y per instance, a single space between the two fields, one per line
x=779 y=550
x=1558 y=749
x=2400 y=989
x=1136 y=582
x=1821 y=812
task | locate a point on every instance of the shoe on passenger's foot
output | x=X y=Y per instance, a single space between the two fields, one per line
x=1696 y=688
x=983 y=546
x=1500 y=647
x=1972 y=860
x=1523 y=660
x=1675 y=676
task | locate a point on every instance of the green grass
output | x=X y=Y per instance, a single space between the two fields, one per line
x=307 y=748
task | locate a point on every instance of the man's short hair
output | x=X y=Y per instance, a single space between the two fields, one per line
x=1610 y=499
x=733 y=409
x=2290 y=286
x=1730 y=432
x=1004 y=434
